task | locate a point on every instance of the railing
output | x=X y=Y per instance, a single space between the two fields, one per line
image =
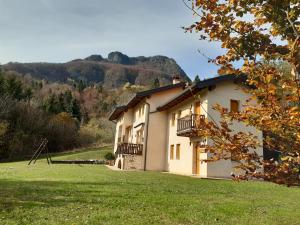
x=130 y=149
x=189 y=124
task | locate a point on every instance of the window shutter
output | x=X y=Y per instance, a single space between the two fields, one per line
x=172 y=152
x=234 y=106
x=178 y=151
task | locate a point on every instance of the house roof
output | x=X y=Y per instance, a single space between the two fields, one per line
x=117 y=112
x=138 y=97
x=195 y=88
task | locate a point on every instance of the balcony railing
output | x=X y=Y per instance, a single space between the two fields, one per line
x=187 y=126
x=130 y=149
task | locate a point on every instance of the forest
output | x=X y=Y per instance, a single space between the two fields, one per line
x=69 y=115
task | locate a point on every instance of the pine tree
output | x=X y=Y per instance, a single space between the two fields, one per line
x=197 y=79
x=14 y=88
x=156 y=83
x=76 y=109
x=81 y=85
x=27 y=94
x=52 y=105
x=67 y=101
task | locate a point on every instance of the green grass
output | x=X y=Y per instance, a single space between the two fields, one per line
x=91 y=153
x=92 y=194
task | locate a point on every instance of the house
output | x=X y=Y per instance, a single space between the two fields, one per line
x=156 y=130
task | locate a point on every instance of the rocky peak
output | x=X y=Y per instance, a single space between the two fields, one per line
x=119 y=58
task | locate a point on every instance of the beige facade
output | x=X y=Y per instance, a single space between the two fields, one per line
x=166 y=145
x=144 y=125
x=192 y=159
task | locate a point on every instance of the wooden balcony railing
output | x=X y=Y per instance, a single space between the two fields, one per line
x=130 y=149
x=187 y=126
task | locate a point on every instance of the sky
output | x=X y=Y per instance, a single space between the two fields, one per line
x=63 y=30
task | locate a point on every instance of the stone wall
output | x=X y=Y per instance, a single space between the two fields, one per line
x=132 y=162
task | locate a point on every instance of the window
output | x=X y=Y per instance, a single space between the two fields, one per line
x=179 y=114
x=178 y=151
x=140 y=136
x=120 y=134
x=172 y=152
x=173 y=119
x=234 y=105
x=143 y=110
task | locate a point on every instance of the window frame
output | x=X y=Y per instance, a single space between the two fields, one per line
x=173 y=118
x=232 y=105
x=178 y=152
x=171 y=152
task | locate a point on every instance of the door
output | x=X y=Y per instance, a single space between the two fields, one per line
x=198 y=108
x=197 y=160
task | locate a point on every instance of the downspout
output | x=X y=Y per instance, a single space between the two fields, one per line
x=146 y=136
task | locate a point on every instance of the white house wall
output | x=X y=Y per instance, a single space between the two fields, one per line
x=222 y=95
x=138 y=121
x=157 y=135
x=185 y=164
x=161 y=134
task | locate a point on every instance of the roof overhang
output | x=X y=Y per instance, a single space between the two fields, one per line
x=115 y=114
x=196 y=88
x=140 y=96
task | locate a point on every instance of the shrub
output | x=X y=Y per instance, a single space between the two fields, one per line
x=109 y=156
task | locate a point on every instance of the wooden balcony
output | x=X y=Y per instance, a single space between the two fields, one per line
x=189 y=125
x=129 y=149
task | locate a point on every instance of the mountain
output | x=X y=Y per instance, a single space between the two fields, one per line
x=112 y=72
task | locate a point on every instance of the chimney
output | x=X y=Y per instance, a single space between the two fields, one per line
x=176 y=79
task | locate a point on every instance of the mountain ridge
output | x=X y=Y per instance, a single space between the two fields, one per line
x=111 y=72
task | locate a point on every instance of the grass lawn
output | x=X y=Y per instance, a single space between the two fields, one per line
x=92 y=194
x=91 y=153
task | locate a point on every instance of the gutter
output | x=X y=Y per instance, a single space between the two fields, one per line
x=146 y=136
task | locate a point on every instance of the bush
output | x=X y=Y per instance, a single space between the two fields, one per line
x=64 y=132
x=109 y=156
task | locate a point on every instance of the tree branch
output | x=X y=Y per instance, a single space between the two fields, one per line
x=190 y=8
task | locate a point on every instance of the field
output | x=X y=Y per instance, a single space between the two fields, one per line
x=93 y=194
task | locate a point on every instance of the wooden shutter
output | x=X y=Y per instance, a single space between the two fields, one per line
x=234 y=105
x=178 y=151
x=172 y=152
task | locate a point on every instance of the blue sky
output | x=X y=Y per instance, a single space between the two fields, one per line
x=62 y=30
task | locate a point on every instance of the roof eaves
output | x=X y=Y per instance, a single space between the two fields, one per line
x=138 y=97
x=116 y=112
x=198 y=87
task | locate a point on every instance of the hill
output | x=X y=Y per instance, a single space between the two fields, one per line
x=111 y=72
